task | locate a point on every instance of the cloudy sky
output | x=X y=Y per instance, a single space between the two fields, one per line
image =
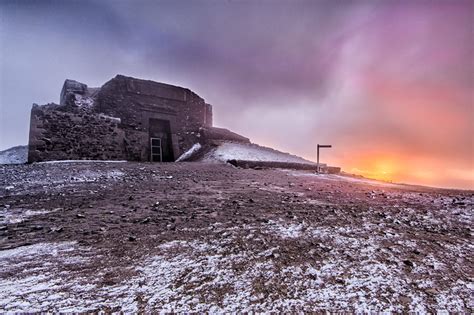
x=388 y=83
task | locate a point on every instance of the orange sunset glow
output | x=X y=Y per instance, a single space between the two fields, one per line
x=408 y=169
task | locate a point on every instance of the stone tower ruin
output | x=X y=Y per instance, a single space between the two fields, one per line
x=126 y=119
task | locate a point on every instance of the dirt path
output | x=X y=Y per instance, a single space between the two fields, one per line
x=207 y=237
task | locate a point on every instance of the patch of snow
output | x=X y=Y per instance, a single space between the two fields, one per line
x=286 y=231
x=250 y=152
x=10 y=216
x=82 y=161
x=81 y=100
x=31 y=279
x=40 y=249
x=85 y=176
x=14 y=155
x=40 y=178
x=92 y=176
x=116 y=119
x=186 y=155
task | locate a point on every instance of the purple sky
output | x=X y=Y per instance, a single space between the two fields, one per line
x=388 y=83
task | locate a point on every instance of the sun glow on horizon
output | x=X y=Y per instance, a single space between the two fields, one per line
x=409 y=170
x=381 y=168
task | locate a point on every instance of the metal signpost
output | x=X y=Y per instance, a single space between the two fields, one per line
x=321 y=146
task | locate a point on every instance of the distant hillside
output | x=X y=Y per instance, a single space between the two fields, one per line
x=14 y=155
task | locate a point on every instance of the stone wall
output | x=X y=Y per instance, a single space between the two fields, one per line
x=137 y=101
x=57 y=134
x=128 y=98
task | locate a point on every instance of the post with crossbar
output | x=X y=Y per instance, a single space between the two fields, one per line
x=320 y=146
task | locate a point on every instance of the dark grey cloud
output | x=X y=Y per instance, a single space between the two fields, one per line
x=236 y=52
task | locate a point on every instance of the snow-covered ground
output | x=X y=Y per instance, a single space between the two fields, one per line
x=250 y=152
x=40 y=278
x=219 y=275
x=14 y=155
x=211 y=238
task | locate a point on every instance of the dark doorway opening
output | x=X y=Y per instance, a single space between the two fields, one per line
x=160 y=141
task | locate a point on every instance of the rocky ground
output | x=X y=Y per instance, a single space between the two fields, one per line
x=211 y=237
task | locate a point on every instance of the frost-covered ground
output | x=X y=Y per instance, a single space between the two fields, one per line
x=191 y=237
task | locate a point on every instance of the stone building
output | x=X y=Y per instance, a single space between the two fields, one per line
x=126 y=119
